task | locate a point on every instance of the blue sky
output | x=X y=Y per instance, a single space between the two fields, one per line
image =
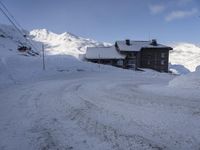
x=108 y=20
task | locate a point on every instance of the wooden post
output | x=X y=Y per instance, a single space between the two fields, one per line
x=136 y=61
x=43 y=60
x=99 y=61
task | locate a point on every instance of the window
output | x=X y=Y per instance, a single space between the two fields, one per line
x=130 y=62
x=131 y=55
x=163 y=55
x=162 y=62
x=120 y=62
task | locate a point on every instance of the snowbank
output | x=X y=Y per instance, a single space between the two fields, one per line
x=189 y=81
x=178 y=69
x=184 y=87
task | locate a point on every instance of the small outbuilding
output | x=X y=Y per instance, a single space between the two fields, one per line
x=105 y=55
x=132 y=55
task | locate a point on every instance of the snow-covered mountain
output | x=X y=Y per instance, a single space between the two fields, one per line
x=186 y=54
x=55 y=44
x=65 y=43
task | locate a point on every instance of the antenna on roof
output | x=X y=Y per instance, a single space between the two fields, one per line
x=149 y=36
x=154 y=42
x=128 y=42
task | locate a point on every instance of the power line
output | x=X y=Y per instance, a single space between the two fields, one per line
x=14 y=24
x=10 y=15
x=10 y=20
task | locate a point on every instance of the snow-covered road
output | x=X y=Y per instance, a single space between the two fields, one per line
x=97 y=111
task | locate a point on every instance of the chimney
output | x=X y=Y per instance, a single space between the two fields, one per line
x=154 y=42
x=128 y=42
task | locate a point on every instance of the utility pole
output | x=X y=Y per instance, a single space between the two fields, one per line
x=43 y=60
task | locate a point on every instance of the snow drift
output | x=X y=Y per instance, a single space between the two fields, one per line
x=189 y=81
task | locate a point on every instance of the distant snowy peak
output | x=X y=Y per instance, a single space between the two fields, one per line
x=186 y=54
x=187 y=47
x=65 y=43
x=44 y=34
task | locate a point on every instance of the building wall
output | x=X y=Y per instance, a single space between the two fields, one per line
x=156 y=59
x=131 y=60
x=113 y=62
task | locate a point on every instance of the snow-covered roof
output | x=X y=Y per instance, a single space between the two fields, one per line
x=138 y=45
x=103 y=53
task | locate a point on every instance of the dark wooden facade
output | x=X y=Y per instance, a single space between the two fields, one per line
x=156 y=59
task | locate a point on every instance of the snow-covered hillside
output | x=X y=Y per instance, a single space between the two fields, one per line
x=10 y=39
x=185 y=54
x=61 y=55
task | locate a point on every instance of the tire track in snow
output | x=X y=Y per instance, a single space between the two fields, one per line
x=173 y=107
x=106 y=133
x=49 y=129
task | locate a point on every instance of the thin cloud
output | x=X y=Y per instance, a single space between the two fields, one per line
x=156 y=9
x=183 y=2
x=179 y=14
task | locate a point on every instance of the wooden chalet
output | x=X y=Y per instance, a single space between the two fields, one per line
x=132 y=55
